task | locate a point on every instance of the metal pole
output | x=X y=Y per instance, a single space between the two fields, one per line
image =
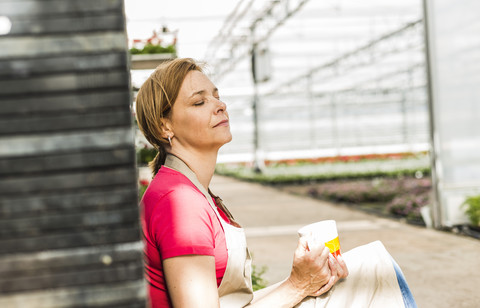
x=311 y=103
x=403 y=103
x=258 y=164
x=335 y=127
x=436 y=204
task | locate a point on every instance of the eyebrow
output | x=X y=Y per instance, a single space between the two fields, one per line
x=202 y=92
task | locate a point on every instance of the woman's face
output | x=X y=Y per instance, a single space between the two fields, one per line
x=199 y=118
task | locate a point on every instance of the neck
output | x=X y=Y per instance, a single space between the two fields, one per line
x=201 y=163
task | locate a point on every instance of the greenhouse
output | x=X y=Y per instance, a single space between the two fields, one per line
x=309 y=79
x=364 y=113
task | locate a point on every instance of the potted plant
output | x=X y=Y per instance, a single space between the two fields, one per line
x=472 y=209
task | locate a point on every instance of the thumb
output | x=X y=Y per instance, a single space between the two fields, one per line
x=302 y=246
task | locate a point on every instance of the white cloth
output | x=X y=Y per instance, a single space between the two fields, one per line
x=371 y=283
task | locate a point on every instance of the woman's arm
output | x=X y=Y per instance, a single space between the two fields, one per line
x=314 y=272
x=191 y=281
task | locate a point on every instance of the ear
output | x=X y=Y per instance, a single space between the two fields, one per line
x=166 y=128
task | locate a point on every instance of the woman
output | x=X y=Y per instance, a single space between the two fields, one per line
x=195 y=252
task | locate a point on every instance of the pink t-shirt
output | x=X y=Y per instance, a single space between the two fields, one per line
x=178 y=220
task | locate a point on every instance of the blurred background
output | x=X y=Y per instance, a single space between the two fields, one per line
x=388 y=85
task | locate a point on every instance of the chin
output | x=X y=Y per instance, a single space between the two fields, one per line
x=226 y=140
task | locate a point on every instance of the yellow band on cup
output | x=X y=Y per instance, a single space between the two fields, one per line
x=334 y=246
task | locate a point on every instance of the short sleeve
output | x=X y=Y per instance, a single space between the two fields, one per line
x=182 y=224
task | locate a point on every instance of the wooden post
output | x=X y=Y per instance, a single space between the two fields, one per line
x=69 y=221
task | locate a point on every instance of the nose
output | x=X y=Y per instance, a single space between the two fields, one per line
x=220 y=107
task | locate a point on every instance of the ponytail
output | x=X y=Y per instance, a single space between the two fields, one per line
x=159 y=160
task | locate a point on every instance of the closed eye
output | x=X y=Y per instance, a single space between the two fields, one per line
x=198 y=103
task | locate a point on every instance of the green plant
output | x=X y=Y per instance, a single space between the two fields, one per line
x=153 y=49
x=280 y=175
x=145 y=155
x=258 y=282
x=472 y=209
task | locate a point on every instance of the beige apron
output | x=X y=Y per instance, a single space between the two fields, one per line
x=235 y=290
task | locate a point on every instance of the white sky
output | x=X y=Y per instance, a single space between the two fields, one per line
x=318 y=33
x=197 y=22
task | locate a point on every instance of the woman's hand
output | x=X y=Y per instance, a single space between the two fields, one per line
x=338 y=266
x=313 y=272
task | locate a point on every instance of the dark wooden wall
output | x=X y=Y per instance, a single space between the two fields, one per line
x=69 y=231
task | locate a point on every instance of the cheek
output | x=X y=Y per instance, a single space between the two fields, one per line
x=192 y=124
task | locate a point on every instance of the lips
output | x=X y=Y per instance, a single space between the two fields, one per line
x=222 y=123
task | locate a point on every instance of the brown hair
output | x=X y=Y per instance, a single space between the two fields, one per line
x=155 y=100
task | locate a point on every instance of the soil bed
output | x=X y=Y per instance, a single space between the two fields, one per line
x=396 y=197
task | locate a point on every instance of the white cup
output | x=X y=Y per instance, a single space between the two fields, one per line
x=322 y=232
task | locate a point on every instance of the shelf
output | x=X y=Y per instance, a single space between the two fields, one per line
x=149 y=61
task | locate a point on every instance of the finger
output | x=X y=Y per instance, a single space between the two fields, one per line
x=343 y=265
x=324 y=253
x=326 y=287
x=334 y=267
x=302 y=246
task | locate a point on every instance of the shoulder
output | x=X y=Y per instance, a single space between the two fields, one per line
x=183 y=198
x=170 y=184
x=179 y=219
x=172 y=195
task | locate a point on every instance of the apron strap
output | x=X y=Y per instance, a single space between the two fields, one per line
x=221 y=205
